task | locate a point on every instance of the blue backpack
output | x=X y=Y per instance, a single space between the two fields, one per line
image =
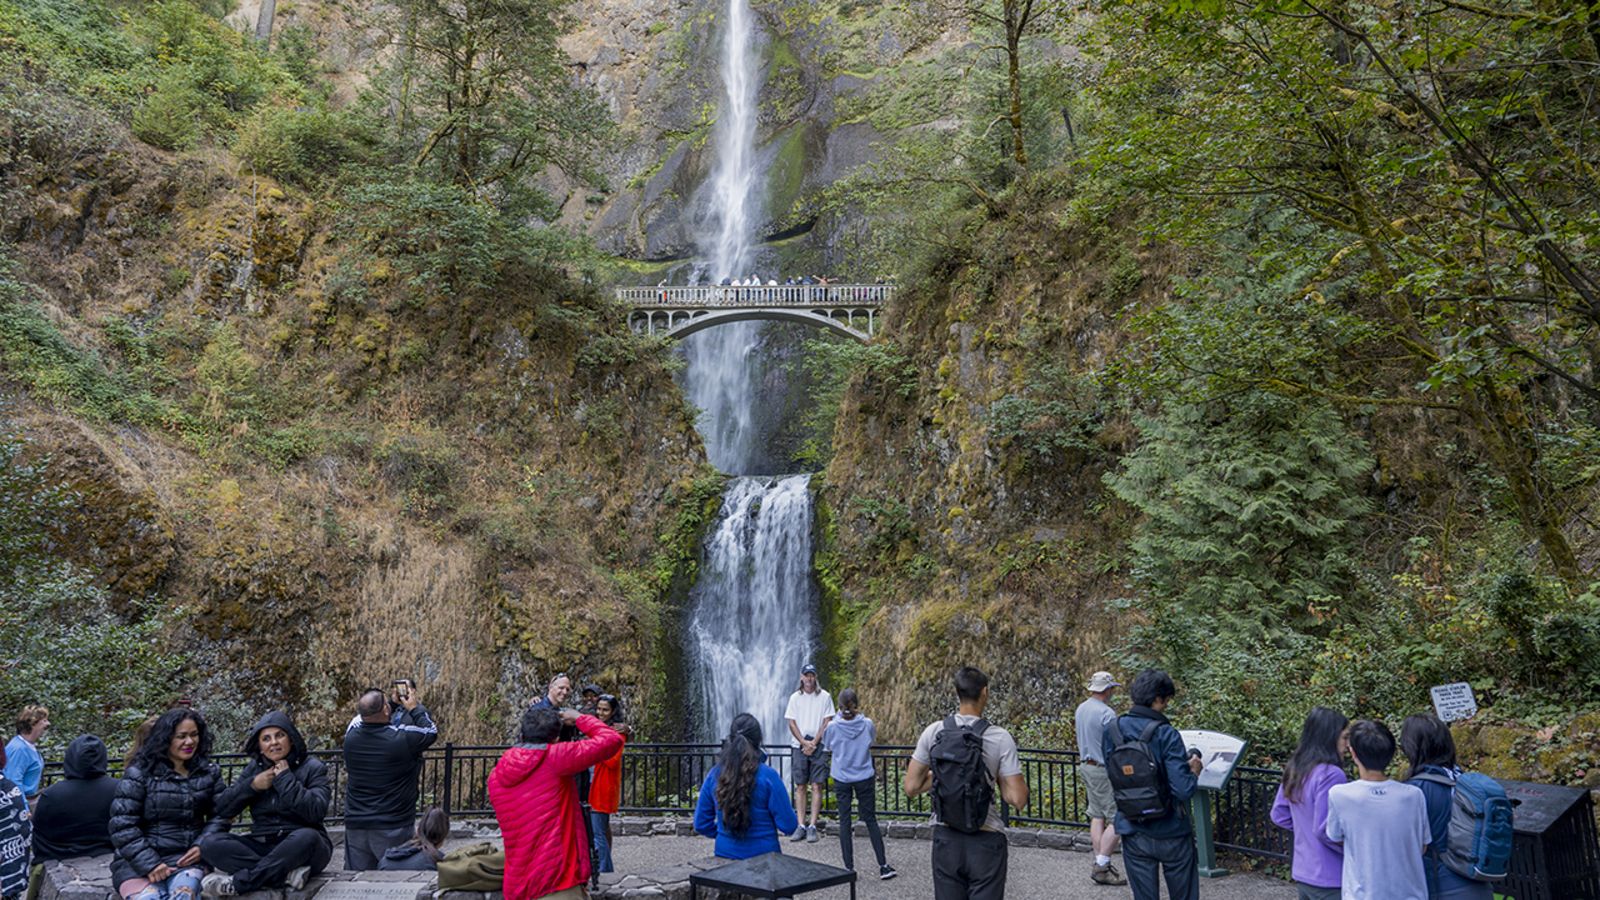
x=1478 y=840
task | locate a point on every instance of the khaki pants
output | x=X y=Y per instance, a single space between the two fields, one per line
x=576 y=892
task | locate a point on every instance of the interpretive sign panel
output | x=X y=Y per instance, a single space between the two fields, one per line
x=1454 y=701
x=1219 y=752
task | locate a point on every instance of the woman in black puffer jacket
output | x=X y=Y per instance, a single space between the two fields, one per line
x=287 y=792
x=166 y=802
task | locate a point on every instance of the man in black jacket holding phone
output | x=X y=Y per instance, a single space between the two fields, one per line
x=382 y=753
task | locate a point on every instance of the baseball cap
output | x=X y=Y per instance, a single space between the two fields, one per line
x=1100 y=681
x=808 y=669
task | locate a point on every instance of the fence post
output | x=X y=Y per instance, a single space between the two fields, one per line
x=449 y=775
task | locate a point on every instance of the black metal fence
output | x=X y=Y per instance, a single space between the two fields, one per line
x=662 y=779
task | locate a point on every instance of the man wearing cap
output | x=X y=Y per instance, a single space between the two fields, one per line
x=808 y=714
x=1094 y=716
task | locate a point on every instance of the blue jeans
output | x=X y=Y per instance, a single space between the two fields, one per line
x=183 y=884
x=601 y=824
x=1146 y=858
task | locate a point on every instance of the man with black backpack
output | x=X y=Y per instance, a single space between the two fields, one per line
x=961 y=759
x=1152 y=778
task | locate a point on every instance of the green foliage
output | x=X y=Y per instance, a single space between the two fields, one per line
x=1055 y=416
x=485 y=101
x=833 y=366
x=298 y=145
x=438 y=236
x=62 y=646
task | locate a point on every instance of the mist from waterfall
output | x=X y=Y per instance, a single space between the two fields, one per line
x=752 y=612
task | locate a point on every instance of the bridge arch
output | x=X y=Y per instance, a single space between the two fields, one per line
x=681 y=324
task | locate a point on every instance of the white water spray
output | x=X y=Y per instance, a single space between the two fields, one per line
x=751 y=611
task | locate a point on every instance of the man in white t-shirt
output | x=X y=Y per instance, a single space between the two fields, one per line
x=971 y=866
x=1382 y=823
x=809 y=712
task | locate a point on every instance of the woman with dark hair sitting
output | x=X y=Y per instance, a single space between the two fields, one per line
x=423 y=852
x=165 y=804
x=1302 y=803
x=287 y=793
x=743 y=802
x=1427 y=744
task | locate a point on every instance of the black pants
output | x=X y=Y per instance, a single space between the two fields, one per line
x=861 y=791
x=1145 y=857
x=968 y=866
x=262 y=861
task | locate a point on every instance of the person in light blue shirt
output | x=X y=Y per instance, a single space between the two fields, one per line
x=1383 y=824
x=743 y=802
x=849 y=740
x=24 y=764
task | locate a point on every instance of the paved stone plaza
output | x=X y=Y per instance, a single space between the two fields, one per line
x=656 y=858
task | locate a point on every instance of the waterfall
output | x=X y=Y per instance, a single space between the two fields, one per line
x=753 y=611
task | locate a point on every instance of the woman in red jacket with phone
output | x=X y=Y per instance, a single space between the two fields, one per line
x=535 y=799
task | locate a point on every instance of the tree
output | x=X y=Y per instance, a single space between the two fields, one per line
x=1438 y=162
x=1014 y=20
x=482 y=95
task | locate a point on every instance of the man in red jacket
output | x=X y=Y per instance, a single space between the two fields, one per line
x=535 y=800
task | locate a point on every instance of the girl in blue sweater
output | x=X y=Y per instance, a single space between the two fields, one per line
x=743 y=802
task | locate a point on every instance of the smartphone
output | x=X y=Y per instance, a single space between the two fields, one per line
x=402 y=688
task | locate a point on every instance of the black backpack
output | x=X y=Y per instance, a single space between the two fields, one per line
x=962 y=792
x=1138 y=778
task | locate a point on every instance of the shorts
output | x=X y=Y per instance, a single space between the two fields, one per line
x=811 y=769
x=1102 y=801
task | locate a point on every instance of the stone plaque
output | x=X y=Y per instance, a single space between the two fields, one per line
x=369 y=890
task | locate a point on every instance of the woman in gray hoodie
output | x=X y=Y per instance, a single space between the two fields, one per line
x=849 y=738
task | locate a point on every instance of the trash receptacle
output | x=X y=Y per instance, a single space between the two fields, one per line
x=1556 y=855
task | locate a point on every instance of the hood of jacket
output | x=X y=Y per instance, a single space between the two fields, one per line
x=848 y=729
x=86 y=757
x=404 y=851
x=520 y=762
x=276 y=719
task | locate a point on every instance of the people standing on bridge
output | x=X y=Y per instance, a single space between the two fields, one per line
x=809 y=711
x=1431 y=750
x=24 y=764
x=1093 y=718
x=962 y=759
x=287 y=793
x=166 y=804
x=1158 y=843
x=742 y=801
x=72 y=816
x=382 y=752
x=1383 y=824
x=15 y=836
x=1302 y=803
x=535 y=799
x=850 y=740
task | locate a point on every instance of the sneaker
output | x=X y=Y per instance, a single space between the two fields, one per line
x=297 y=878
x=799 y=834
x=886 y=872
x=1107 y=874
x=217 y=885
x=811 y=834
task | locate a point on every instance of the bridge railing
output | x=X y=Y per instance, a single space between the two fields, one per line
x=758 y=295
x=665 y=779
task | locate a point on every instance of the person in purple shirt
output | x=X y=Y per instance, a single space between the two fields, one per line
x=1302 y=804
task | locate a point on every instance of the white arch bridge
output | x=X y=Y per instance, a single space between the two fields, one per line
x=855 y=310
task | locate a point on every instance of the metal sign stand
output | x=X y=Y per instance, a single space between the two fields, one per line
x=1220 y=753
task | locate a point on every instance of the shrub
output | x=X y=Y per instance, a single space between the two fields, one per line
x=297 y=144
x=168 y=118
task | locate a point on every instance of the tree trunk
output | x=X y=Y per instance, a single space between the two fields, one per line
x=1014 y=74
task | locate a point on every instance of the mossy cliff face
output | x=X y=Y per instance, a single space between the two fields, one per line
x=339 y=482
x=949 y=542
x=833 y=72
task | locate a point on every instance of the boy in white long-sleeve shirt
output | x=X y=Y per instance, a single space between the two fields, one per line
x=1382 y=823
